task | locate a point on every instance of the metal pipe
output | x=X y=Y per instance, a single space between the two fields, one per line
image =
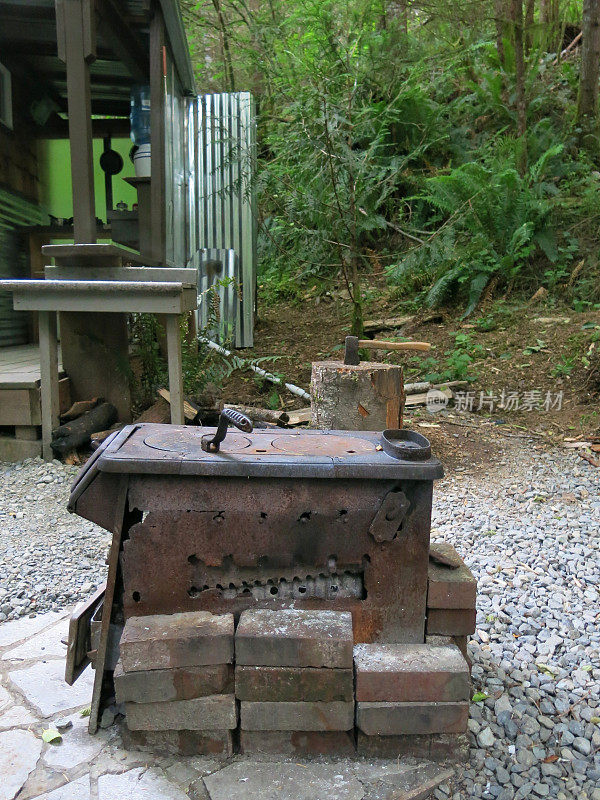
x=268 y=376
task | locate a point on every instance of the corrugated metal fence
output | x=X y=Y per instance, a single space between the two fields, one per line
x=225 y=212
x=14 y=212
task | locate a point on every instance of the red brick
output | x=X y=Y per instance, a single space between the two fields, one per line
x=410 y=673
x=216 y=712
x=298 y=743
x=180 y=743
x=293 y=684
x=294 y=638
x=392 y=746
x=166 y=641
x=392 y=719
x=434 y=746
x=451 y=588
x=449 y=747
x=183 y=683
x=451 y=622
x=296 y=716
x=459 y=641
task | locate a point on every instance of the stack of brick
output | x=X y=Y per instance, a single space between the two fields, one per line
x=411 y=699
x=175 y=677
x=294 y=679
x=451 y=598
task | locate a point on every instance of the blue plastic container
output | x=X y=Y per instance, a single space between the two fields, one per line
x=139 y=116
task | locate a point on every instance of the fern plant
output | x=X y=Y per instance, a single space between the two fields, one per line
x=492 y=221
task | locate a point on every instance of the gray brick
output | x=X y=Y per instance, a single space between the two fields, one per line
x=435 y=746
x=450 y=588
x=216 y=712
x=182 y=683
x=293 y=684
x=166 y=641
x=451 y=621
x=410 y=673
x=296 y=716
x=180 y=743
x=392 y=719
x=295 y=638
x=298 y=743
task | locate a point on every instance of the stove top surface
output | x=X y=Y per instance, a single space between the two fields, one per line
x=171 y=449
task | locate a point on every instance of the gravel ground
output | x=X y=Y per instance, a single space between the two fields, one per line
x=49 y=558
x=527 y=526
x=530 y=535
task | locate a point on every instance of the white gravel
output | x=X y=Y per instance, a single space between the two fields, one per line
x=49 y=559
x=528 y=527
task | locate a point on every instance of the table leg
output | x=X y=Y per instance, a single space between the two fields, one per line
x=175 y=369
x=49 y=379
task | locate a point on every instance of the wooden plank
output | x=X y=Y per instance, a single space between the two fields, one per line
x=187 y=277
x=19 y=449
x=92 y=252
x=109 y=596
x=78 y=21
x=157 y=126
x=188 y=409
x=15 y=407
x=124 y=301
x=79 y=642
x=49 y=379
x=175 y=370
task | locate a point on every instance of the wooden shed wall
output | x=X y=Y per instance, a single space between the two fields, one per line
x=19 y=170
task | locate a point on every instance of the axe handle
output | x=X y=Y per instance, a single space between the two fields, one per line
x=377 y=344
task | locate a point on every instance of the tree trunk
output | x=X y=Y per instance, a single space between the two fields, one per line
x=521 y=105
x=529 y=16
x=587 y=101
x=499 y=19
x=229 y=78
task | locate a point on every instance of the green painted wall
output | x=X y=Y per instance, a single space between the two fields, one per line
x=55 y=177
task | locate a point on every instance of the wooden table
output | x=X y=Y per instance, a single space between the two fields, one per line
x=155 y=295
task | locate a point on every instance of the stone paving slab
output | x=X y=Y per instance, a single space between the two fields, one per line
x=284 y=781
x=138 y=784
x=76 y=790
x=17 y=717
x=19 y=753
x=5 y=698
x=47 y=644
x=43 y=683
x=77 y=746
x=19 y=629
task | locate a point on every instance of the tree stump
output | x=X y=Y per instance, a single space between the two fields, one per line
x=367 y=397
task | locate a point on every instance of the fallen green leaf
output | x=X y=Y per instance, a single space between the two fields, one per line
x=51 y=735
x=587 y=668
x=85 y=712
x=478 y=697
x=547 y=670
x=595 y=720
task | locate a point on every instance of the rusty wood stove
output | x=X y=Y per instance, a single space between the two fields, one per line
x=311 y=519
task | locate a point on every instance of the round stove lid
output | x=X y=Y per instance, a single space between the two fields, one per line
x=298 y=444
x=188 y=442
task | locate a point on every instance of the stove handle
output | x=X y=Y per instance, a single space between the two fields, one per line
x=211 y=444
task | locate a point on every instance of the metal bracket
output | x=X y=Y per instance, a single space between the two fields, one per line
x=389 y=517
